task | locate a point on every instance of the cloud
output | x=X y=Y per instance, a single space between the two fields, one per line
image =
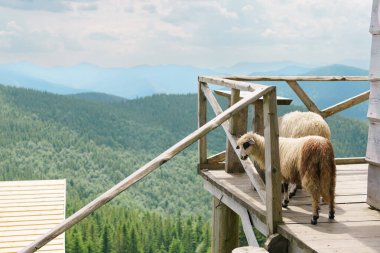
x=207 y=32
x=102 y=36
x=53 y=6
x=50 y=5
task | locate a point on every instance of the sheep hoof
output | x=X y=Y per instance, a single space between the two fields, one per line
x=285 y=203
x=314 y=220
x=331 y=215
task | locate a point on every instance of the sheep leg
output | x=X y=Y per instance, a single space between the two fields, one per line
x=315 y=207
x=331 y=205
x=293 y=190
x=285 y=201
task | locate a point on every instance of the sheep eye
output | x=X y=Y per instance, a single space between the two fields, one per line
x=246 y=145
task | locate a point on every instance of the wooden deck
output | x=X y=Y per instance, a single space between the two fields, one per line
x=356 y=227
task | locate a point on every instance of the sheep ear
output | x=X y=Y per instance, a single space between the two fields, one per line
x=237 y=147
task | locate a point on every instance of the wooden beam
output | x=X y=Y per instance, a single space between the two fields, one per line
x=237 y=208
x=345 y=104
x=238 y=126
x=225 y=228
x=231 y=83
x=272 y=162
x=217 y=158
x=202 y=119
x=303 y=96
x=247 y=164
x=297 y=78
x=350 y=160
x=142 y=172
x=227 y=94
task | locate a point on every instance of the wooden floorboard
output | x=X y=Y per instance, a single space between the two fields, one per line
x=356 y=227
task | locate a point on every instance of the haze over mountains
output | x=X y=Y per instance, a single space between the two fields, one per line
x=145 y=80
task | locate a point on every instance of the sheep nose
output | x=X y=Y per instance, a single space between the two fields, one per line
x=244 y=157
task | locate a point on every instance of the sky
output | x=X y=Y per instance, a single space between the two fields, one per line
x=203 y=33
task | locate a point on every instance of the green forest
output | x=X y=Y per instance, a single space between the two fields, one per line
x=95 y=141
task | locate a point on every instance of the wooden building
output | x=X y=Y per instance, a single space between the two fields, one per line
x=28 y=209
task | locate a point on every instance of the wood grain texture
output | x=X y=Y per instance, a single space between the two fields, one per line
x=298 y=78
x=28 y=209
x=202 y=119
x=356 y=227
x=272 y=163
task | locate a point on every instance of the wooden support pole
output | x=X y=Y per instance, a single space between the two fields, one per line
x=238 y=126
x=345 y=104
x=272 y=163
x=373 y=145
x=202 y=119
x=225 y=228
x=141 y=173
x=303 y=96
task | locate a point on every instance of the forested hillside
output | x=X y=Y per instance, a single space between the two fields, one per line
x=96 y=141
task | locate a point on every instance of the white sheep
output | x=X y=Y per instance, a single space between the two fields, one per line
x=308 y=160
x=299 y=124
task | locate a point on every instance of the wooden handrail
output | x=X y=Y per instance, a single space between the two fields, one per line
x=298 y=78
x=247 y=164
x=141 y=173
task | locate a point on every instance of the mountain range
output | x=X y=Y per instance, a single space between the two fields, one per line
x=146 y=80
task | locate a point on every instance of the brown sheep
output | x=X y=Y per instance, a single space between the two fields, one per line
x=308 y=160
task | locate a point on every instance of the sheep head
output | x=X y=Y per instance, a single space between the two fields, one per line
x=245 y=143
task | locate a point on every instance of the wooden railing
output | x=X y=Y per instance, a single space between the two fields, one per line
x=205 y=127
x=292 y=81
x=270 y=191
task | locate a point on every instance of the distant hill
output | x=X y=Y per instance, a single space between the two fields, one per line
x=146 y=80
x=97 y=96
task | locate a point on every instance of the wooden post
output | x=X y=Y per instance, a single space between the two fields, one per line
x=272 y=163
x=258 y=127
x=373 y=146
x=225 y=228
x=226 y=221
x=202 y=119
x=238 y=126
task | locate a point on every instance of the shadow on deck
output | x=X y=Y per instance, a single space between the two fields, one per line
x=356 y=227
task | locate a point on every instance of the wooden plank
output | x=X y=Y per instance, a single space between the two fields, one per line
x=238 y=126
x=225 y=228
x=247 y=164
x=350 y=160
x=238 y=187
x=211 y=166
x=232 y=84
x=303 y=96
x=143 y=171
x=272 y=162
x=345 y=104
x=249 y=249
x=202 y=119
x=61 y=182
x=238 y=209
x=373 y=143
x=374 y=101
x=298 y=78
x=217 y=158
x=333 y=237
x=375 y=19
x=227 y=94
